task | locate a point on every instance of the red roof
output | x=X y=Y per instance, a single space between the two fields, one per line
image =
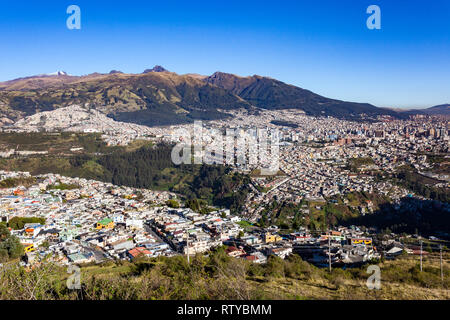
x=138 y=251
x=418 y=252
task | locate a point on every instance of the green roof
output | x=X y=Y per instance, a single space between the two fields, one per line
x=105 y=221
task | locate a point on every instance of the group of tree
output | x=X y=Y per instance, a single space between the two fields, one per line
x=172 y=203
x=18 y=223
x=152 y=167
x=414 y=182
x=15 y=182
x=10 y=246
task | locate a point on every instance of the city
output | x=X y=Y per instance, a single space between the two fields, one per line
x=235 y=159
x=90 y=221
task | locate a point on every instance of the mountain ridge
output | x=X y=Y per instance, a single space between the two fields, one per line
x=160 y=97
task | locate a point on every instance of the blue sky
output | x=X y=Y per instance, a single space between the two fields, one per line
x=323 y=46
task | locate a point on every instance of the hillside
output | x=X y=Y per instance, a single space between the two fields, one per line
x=152 y=98
x=219 y=277
x=160 y=97
x=139 y=165
x=269 y=93
x=443 y=109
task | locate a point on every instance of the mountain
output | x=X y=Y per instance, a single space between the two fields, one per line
x=268 y=93
x=443 y=109
x=154 y=98
x=156 y=69
x=160 y=97
x=58 y=73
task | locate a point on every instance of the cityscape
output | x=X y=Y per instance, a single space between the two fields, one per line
x=153 y=184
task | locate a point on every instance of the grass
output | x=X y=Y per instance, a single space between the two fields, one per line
x=221 y=277
x=244 y=224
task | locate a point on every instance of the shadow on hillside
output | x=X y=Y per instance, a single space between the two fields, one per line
x=410 y=215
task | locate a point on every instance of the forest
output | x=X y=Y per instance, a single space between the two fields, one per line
x=151 y=167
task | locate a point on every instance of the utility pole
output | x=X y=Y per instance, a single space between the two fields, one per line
x=329 y=251
x=187 y=246
x=421 y=255
x=442 y=270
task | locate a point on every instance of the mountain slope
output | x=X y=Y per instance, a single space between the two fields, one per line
x=443 y=109
x=154 y=98
x=160 y=97
x=269 y=93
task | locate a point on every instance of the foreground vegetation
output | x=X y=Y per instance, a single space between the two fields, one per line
x=218 y=276
x=10 y=246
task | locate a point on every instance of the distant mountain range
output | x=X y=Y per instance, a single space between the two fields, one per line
x=160 y=97
x=267 y=93
x=443 y=109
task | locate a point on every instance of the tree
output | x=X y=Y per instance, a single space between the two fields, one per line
x=10 y=246
x=4 y=232
x=193 y=204
x=172 y=203
x=45 y=244
x=4 y=256
x=18 y=223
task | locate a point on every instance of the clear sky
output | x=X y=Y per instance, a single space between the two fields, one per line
x=323 y=46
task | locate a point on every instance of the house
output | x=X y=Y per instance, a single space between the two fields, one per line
x=72 y=248
x=50 y=234
x=366 y=241
x=257 y=257
x=235 y=219
x=394 y=251
x=135 y=223
x=268 y=237
x=235 y=252
x=28 y=247
x=138 y=252
x=417 y=252
x=196 y=246
x=301 y=237
x=106 y=223
x=249 y=240
x=118 y=218
x=280 y=252
x=123 y=244
x=68 y=234
x=80 y=257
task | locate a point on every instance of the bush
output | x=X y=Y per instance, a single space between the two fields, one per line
x=18 y=223
x=10 y=246
x=295 y=267
x=274 y=267
x=172 y=203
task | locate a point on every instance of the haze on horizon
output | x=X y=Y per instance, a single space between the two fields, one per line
x=323 y=46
